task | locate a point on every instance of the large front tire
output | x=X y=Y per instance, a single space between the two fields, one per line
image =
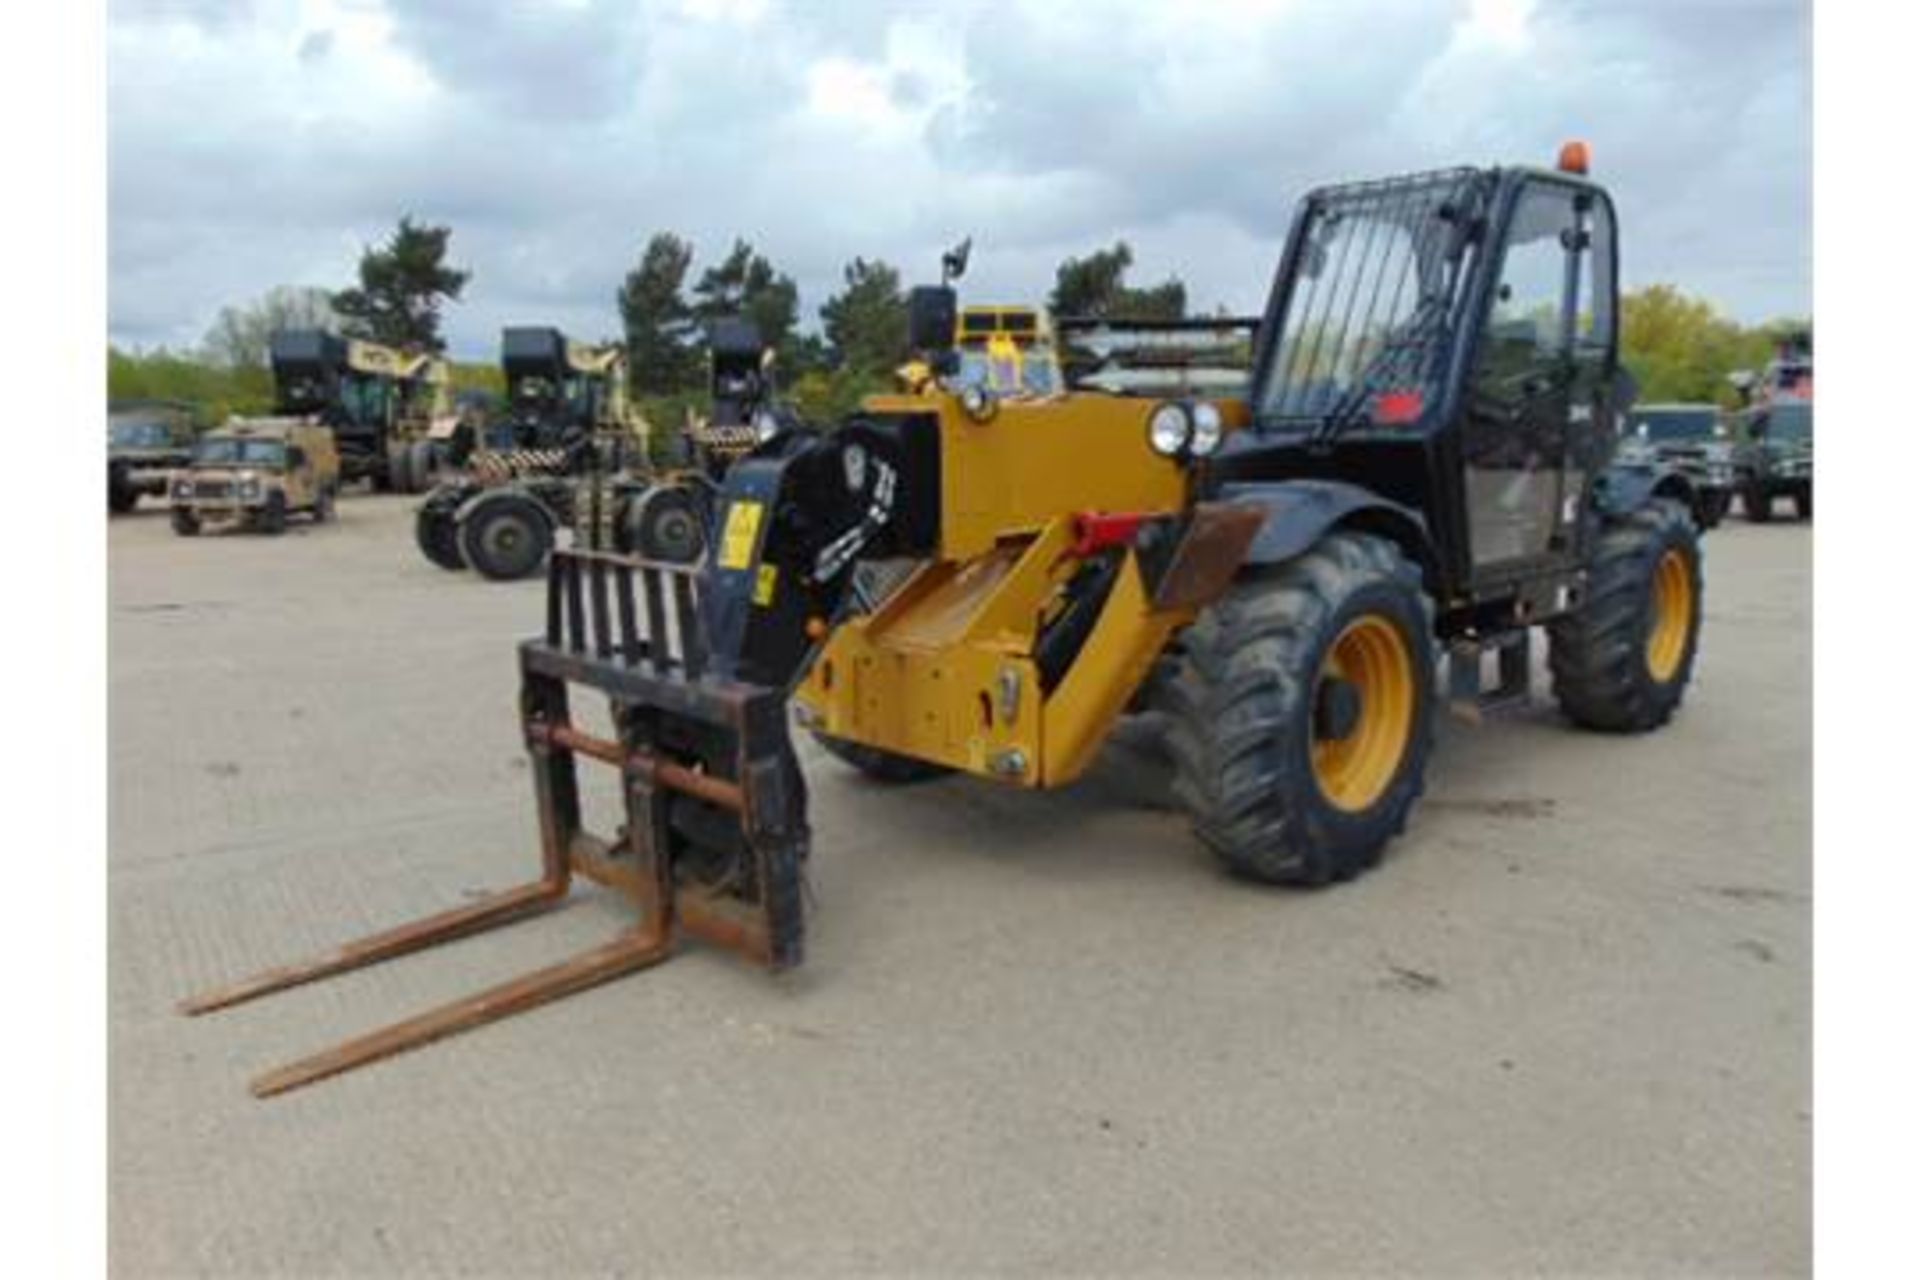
x=1622 y=660
x=506 y=537
x=667 y=523
x=122 y=496
x=1301 y=712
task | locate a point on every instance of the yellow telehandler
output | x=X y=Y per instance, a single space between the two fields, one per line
x=1419 y=467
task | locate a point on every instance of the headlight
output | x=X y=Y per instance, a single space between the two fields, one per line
x=1207 y=428
x=978 y=402
x=765 y=425
x=1169 y=429
x=183 y=488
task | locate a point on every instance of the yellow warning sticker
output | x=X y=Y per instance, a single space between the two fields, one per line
x=743 y=529
x=764 y=584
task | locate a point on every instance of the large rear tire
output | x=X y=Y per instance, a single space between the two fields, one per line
x=185 y=522
x=398 y=479
x=1803 y=503
x=1300 y=711
x=504 y=537
x=1622 y=660
x=1757 y=501
x=419 y=466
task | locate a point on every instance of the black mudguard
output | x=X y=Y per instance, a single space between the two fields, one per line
x=1624 y=487
x=470 y=502
x=1300 y=512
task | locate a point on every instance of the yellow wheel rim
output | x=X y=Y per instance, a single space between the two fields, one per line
x=1672 y=615
x=1355 y=761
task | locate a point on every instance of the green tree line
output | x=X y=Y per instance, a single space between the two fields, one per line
x=862 y=338
x=1678 y=347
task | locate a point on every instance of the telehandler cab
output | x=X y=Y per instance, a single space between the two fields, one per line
x=584 y=459
x=570 y=425
x=1419 y=465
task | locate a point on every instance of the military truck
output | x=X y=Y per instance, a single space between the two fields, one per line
x=1773 y=456
x=389 y=409
x=255 y=472
x=146 y=440
x=998 y=351
x=1692 y=440
x=1008 y=350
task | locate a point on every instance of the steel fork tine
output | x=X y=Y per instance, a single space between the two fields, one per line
x=494 y=909
x=624 y=955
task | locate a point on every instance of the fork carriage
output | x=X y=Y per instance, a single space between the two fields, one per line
x=714 y=837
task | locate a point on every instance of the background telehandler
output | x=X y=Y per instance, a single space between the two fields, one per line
x=387 y=407
x=582 y=460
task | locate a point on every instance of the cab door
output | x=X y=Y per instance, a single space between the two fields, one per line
x=1536 y=384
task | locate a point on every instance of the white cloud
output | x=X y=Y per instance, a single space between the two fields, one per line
x=264 y=144
x=1502 y=23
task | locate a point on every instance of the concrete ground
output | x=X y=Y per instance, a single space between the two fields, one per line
x=1564 y=1028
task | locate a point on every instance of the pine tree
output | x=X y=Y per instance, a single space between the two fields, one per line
x=866 y=322
x=402 y=285
x=662 y=358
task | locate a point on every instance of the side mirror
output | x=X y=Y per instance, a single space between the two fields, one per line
x=932 y=312
x=296 y=458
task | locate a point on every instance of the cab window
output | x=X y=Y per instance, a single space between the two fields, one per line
x=1531 y=303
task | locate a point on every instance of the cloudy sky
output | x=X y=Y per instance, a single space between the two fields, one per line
x=256 y=144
